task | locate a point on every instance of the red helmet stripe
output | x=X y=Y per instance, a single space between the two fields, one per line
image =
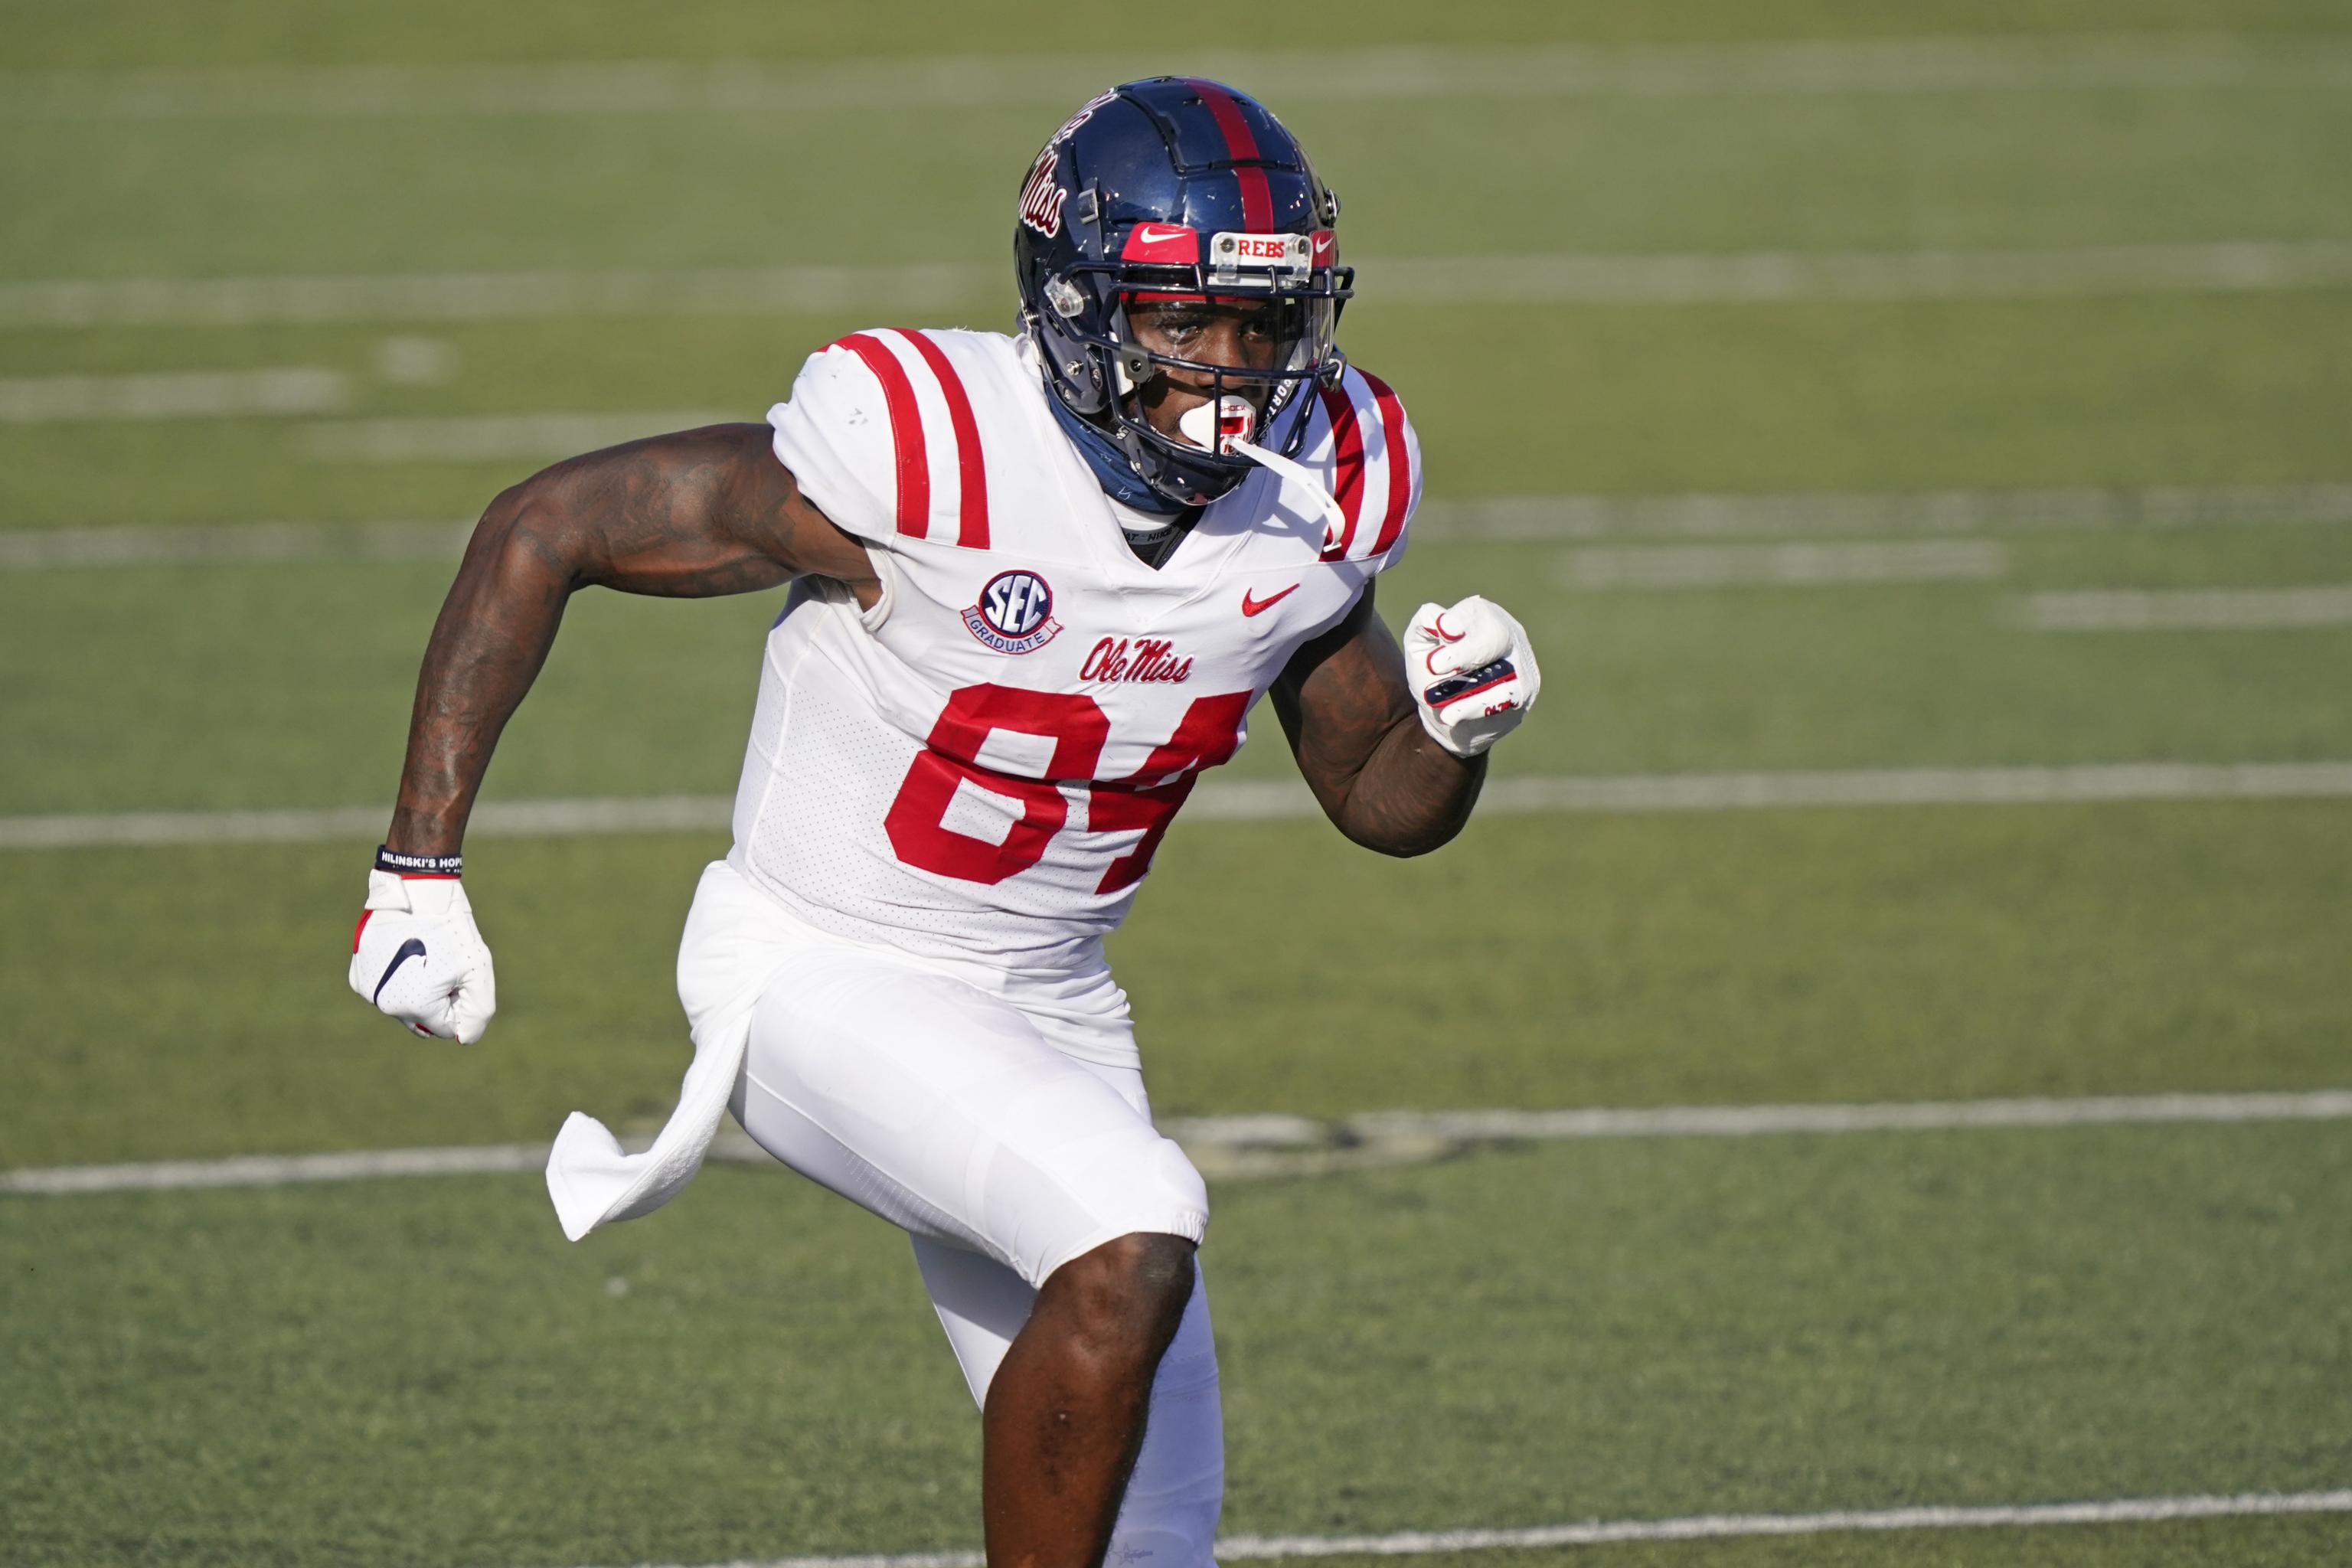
x=971 y=470
x=1257 y=197
x=1348 y=459
x=1400 y=466
x=905 y=430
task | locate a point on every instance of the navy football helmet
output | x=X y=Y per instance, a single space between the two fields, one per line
x=1177 y=187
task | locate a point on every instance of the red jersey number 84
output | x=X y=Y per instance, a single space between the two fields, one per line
x=1147 y=798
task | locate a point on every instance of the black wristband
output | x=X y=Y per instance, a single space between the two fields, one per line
x=393 y=860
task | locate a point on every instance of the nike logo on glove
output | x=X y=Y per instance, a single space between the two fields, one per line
x=1254 y=607
x=412 y=948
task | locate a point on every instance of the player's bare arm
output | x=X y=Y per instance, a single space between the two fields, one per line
x=1347 y=712
x=694 y=515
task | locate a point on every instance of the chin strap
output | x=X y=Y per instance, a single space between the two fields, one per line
x=1335 y=520
x=1227 y=422
x=1120 y=482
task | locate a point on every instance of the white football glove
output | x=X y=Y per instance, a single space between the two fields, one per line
x=1473 y=675
x=419 y=958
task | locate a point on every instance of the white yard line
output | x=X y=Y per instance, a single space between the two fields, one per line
x=1921 y=1115
x=1859 y=276
x=1426 y=1130
x=1723 y=1526
x=521 y=818
x=2248 y=266
x=2190 y=609
x=275 y=1170
x=1923 y=786
x=494 y=437
x=1504 y=520
x=1515 y=518
x=173 y=394
x=1279 y=800
x=1692 y=1527
x=490 y=296
x=954 y=84
x=1687 y=566
x=236 y=543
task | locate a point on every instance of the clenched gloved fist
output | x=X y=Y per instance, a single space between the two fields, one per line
x=418 y=956
x=1473 y=675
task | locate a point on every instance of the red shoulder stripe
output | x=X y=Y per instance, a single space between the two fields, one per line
x=971 y=470
x=905 y=430
x=1257 y=198
x=1400 y=466
x=1348 y=457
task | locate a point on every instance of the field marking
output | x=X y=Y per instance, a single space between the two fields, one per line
x=1424 y=1133
x=1268 y=800
x=340 y=297
x=1534 y=519
x=1861 y=277
x=1721 y=1526
x=173 y=394
x=2092 y=783
x=514 y=819
x=2190 y=609
x=1691 y=1527
x=235 y=543
x=492 y=437
x=1693 y=566
x=2245 y=266
x=275 y=1170
x=406 y=359
x=948 y=84
x=1917 y=1116
x=1501 y=520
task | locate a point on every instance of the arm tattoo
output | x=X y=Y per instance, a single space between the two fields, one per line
x=1348 y=715
x=694 y=515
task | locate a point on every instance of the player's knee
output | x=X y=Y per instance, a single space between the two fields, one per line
x=1123 y=1300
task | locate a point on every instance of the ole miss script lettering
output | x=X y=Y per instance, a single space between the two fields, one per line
x=1146 y=660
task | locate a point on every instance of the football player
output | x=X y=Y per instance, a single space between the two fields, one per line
x=1037 y=584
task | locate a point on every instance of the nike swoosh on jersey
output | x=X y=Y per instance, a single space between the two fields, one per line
x=1253 y=606
x=412 y=948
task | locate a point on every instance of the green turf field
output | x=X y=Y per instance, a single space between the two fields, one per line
x=422 y=1371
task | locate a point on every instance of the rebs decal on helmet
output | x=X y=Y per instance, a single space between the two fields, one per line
x=1016 y=613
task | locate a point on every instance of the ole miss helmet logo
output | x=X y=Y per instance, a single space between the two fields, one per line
x=1041 y=197
x=1016 y=613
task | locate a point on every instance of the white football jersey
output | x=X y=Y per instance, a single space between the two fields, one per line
x=980 y=766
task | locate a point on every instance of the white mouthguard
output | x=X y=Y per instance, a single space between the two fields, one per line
x=1225 y=421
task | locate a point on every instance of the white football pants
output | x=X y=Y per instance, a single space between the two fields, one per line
x=945 y=1109
x=1168 y=1518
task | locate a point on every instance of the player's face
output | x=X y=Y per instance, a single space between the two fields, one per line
x=1242 y=334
